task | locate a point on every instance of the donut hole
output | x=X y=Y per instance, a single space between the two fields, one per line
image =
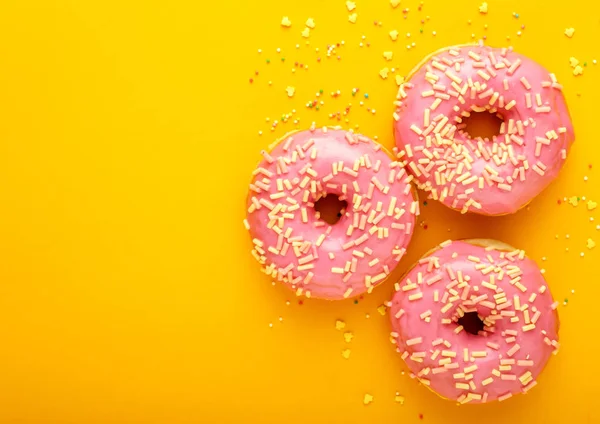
x=471 y=323
x=330 y=209
x=482 y=125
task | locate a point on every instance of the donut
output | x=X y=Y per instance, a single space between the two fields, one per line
x=489 y=177
x=296 y=247
x=474 y=321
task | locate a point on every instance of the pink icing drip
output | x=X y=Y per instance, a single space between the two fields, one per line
x=409 y=322
x=305 y=265
x=489 y=200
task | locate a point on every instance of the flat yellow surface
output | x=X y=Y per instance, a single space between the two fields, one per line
x=128 y=131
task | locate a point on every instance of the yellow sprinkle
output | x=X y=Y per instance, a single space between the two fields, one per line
x=368 y=399
x=394 y=35
x=483 y=8
x=573 y=201
x=290 y=91
x=286 y=22
x=591 y=205
x=382 y=309
x=578 y=70
x=340 y=325
x=388 y=55
x=384 y=73
x=346 y=353
x=399 y=399
x=306 y=32
x=352 y=18
x=348 y=336
x=350 y=5
x=310 y=22
x=573 y=62
x=399 y=80
x=569 y=32
x=590 y=243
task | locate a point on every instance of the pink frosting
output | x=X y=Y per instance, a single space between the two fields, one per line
x=488 y=177
x=506 y=290
x=314 y=258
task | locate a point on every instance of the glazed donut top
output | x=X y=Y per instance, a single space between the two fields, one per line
x=473 y=174
x=507 y=291
x=317 y=259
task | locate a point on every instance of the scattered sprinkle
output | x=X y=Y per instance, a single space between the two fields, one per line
x=569 y=32
x=306 y=32
x=346 y=353
x=310 y=22
x=483 y=8
x=394 y=35
x=352 y=18
x=590 y=243
x=384 y=73
x=367 y=399
x=388 y=55
x=285 y=22
x=340 y=325
x=382 y=309
x=574 y=200
x=350 y=5
x=578 y=70
x=290 y=91
x=399 y=80
x=591 y=205
x=399 y=399
x=348 y=336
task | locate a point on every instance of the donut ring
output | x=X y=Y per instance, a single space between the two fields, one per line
x=297 y=248
x=432 y=317
x=473 y=174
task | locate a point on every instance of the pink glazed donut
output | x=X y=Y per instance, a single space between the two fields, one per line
x=494 y=177
x=296 y=247
x=475 y=321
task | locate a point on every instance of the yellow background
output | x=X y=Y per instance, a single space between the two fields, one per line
x=128 y=130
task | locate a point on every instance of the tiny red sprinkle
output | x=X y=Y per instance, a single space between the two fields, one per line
x=251 y=80
x=559 y=201
x=420 y=416
x=590 y=166
x=256 y=72
x=425 y=227
x=300 y=302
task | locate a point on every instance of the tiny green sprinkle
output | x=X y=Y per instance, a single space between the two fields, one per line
x=566 y=300
x=317 y=107
x=268 y=60
x=356 y=302
x=584 y=63
x=283 y=59
x=421 y=30
x=321 y=91
x=425 y=203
